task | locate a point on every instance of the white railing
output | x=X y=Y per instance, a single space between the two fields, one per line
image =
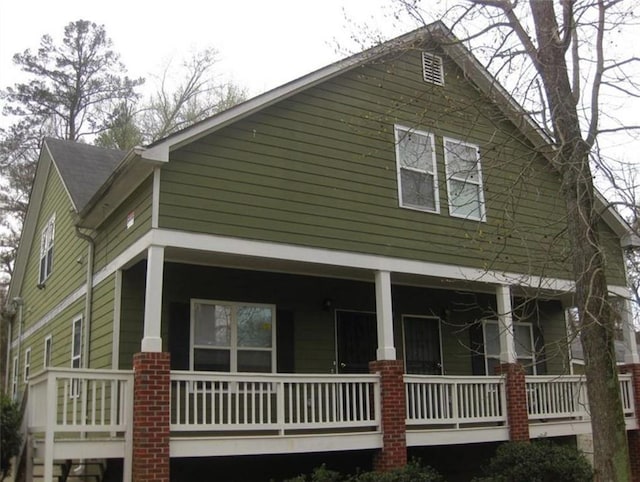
x=73 y=400
x=565 y=397
x=442 y=400
x=553 y=397
x=223 y=402
x=626 y=395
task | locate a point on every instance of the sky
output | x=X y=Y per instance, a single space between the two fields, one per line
x=261 y=43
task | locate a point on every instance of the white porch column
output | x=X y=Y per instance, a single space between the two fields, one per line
x=152 y=341
x=505 y=325
x=629 y=334
x=384 y=315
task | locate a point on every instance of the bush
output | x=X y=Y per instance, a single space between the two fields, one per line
x=412 y=472
x=10 y=437
x=537 y=462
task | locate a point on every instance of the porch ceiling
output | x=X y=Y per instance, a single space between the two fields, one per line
x=255 y=263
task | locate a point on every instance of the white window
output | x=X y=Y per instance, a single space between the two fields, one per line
x=14 y=379
x=76 y=353
x=416 y=166
x=523 y=339
x=27 y=364
x=46 y=250
x=232 y=337
x=432 y=69
x=464 y=180
x=48 y=347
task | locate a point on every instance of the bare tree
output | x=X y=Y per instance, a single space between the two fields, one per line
x=198 y=94
x=559 y=53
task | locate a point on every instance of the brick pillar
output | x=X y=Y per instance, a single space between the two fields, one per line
x=633 y=436
x=392 y=399
x=151 y=417
x=517 y=416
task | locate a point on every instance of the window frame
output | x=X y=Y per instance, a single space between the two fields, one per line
x=14 y=378
x=466 y=181
x=47 y=242
x=74 y=388
x=233 y=347
x=530 y=360
x=397 y=129
x=27 y=365
x=47 y=351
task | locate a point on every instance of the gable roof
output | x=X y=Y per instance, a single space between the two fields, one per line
x=83 y=168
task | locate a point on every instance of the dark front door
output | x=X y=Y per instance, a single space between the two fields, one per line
x=357 y=341
x=422 y=345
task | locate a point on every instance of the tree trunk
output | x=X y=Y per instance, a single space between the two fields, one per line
x=597 y=319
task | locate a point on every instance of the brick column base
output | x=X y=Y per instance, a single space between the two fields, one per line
x=517 y=415
x=151 y=417
x=392 y=399
x=633 y=436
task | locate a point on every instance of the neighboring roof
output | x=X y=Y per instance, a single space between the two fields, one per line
x=82 y=167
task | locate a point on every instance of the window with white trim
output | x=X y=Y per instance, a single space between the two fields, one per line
x=27 y=364
x=14 y=379
x=76 y=353
x=432 y=68
x=232 y=337
x=416 y=168
x=524 y=345
x=464 y=180
x=46 y=250
x=48 y=347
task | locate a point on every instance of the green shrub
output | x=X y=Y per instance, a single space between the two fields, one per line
x=10 y=437
x=537 y=462
x=412 y=472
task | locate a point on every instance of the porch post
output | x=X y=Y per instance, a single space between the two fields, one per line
x=392 y=396
x=631 y=355
x=515 y=383
x=152 y=341
x=384 y=315
x=152 y=384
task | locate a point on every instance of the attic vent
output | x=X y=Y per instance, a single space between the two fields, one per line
x=432 y=69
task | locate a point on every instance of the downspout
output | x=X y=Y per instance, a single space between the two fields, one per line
x=88 y=302
x=19 y=302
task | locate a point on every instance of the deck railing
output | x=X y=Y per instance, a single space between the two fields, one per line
x=225 y=402
x=565 y=397
x=74 y=400
x=456 y=401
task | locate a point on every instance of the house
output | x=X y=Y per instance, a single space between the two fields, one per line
x=369 y=259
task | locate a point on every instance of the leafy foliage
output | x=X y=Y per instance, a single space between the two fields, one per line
x=412 y=472
x=538 y=462
x=10 y=437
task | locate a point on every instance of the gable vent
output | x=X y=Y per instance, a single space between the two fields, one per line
x=432 y=69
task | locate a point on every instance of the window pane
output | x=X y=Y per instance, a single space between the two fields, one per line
x=464 y=199
x=462 y=160
x=77 y=332
x=254 y=326
x=492 y=339
x=254 y=361
x=417 y=189
x=527 y=364
x=524 y=345
x=212 y=325
x=415 y=151
x=212 y=360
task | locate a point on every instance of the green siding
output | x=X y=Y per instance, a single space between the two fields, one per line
x=319 y=170
x=101 y=343
x=113 y=235
x=69 y=255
